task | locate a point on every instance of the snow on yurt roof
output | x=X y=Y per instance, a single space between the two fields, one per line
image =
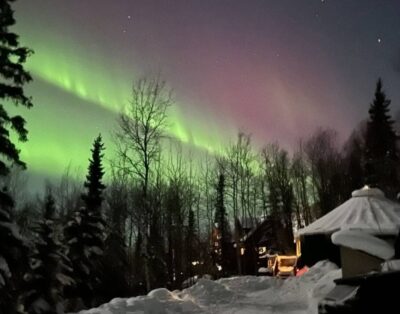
x=362 y=241
x=368 y=209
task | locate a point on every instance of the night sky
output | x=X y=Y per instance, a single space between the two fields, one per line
x=275 y=69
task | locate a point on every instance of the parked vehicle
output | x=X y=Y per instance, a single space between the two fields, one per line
x=286 y=266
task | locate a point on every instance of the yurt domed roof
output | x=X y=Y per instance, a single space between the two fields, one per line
x=368 y=209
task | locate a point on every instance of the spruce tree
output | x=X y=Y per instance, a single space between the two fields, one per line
x=12 y=261
x=93 y=197
x=380 y=151
x=12 y=79
x=49 y=268
x=84 y=233
x=77 y=251
x=191 y=249
x=220 y=211
x=222 y=225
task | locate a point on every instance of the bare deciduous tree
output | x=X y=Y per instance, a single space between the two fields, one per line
x=281 y=196
x=326 y=168
x=141 y=127
x=238 y=162
x=300 y=172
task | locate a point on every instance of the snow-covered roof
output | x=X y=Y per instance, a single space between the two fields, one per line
x=365 y=242
x=368 y=209
x=391 y=265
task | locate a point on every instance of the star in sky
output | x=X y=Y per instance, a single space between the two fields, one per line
x=298 y=46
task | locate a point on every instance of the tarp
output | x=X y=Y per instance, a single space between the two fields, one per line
x=368 y=209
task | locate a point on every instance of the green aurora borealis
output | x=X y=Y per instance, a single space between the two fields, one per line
x=75 y=98
x=275 y=69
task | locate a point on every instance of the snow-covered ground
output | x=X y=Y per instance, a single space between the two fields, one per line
x=246 y=295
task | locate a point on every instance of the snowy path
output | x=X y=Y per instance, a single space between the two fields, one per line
x=238 y=295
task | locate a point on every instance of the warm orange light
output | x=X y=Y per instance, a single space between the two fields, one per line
x=298 y=247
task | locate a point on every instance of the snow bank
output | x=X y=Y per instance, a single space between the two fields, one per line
x=246 y=284
x=308 y=289
x=159 y=301
x=206 y=292
x=365 y=242
x=245 y=294
x=322 y=288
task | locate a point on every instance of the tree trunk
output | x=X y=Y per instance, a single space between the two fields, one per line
x=237 y=241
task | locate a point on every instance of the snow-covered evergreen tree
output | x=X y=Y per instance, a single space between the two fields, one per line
x=12 y=77
x=49 y=271
x=78 y=242
x=84 y=233
x=93 y=196
x=12 y=261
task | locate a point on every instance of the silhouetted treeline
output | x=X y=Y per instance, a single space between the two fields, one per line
x=162 y=217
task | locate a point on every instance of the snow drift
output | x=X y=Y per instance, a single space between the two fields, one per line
x=246 y=294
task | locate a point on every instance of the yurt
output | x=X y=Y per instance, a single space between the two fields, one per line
x=368 y=210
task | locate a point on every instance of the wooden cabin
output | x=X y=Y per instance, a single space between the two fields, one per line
x=263 y=241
